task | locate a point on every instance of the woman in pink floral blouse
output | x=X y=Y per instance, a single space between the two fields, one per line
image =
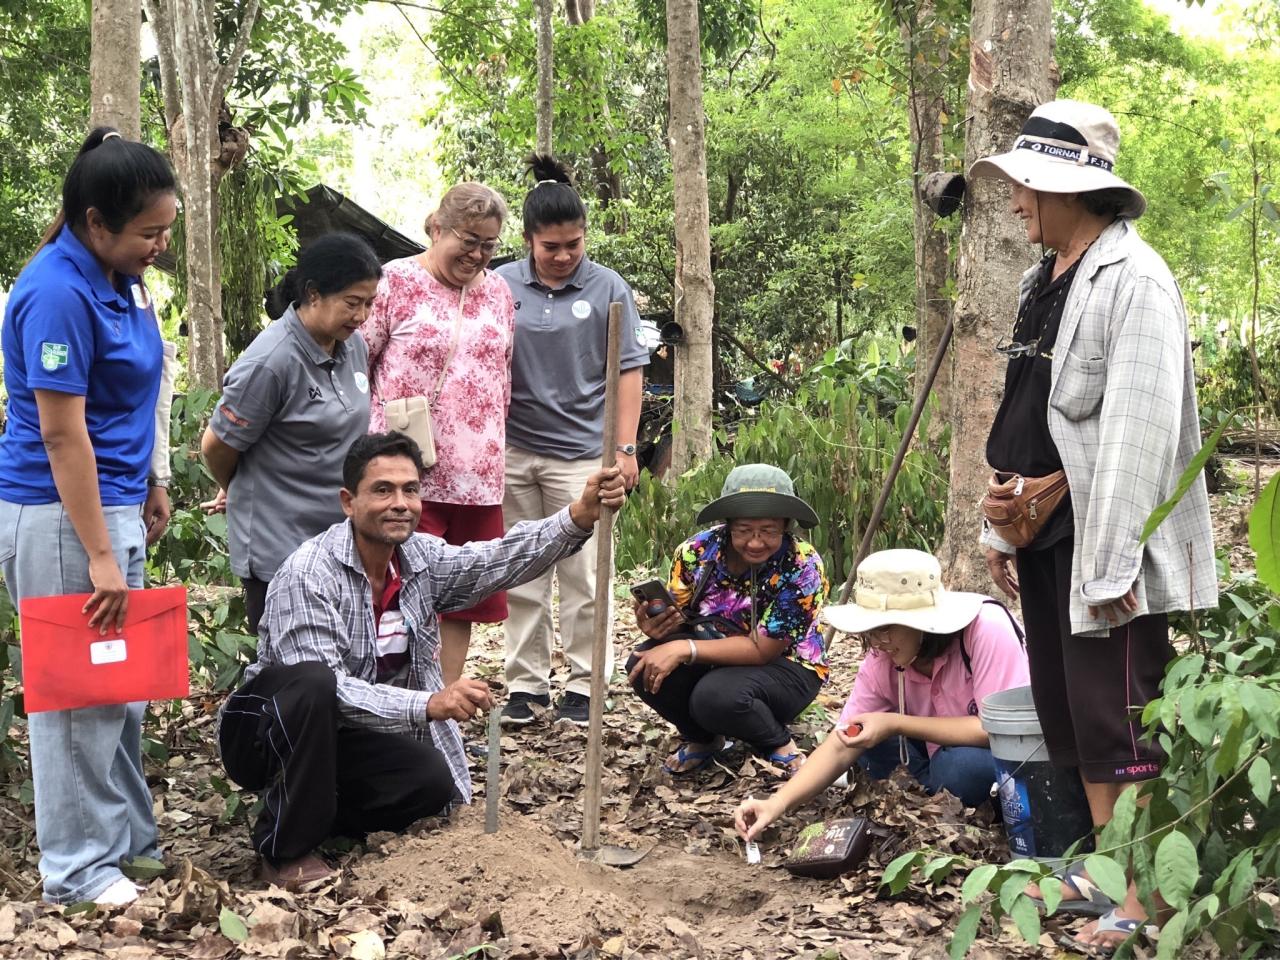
x=411 y=336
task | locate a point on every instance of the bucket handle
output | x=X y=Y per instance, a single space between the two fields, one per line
x=995 y=787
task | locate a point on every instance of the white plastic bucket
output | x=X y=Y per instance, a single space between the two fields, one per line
x=1044 y=807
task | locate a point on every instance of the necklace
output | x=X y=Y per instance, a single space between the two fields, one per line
x=1019 y=348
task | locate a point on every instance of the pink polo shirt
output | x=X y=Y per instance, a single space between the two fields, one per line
x=999 y=663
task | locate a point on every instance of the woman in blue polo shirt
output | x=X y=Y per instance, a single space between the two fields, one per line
x=82 y=364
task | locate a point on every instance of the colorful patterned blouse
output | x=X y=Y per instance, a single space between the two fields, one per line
x=408 y=332
x=790 y=588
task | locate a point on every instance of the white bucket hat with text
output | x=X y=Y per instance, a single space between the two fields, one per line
x=1065 y=146
x=903 y=587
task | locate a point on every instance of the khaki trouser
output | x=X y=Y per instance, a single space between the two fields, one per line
x=537 y=487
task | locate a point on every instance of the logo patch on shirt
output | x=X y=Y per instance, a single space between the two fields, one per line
x=314 y=393
x=581 y=309
x=53 y=355
x=362 y=382
x=233 y=417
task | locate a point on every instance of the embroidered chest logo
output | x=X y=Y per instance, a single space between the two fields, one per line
x=53 y=355
x=314 y=393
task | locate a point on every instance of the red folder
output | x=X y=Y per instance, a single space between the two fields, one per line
x=66 y=665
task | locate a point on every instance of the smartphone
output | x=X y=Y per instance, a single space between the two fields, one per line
x=653 y=591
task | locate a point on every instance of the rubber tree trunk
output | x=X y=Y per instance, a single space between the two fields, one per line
x=926 y=54
x=546 y=75
x=1010 y=73
x=694 y=294
x=194 y=82
x=114 y=66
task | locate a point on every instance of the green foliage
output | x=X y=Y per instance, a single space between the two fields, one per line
x=836 y=438
x=257 y=247
x=1264 y=534
x=193 y=551
x=1189 y=475
x=1205 y=835
x=232 y=926
x=1227 y=380
x=44 y=110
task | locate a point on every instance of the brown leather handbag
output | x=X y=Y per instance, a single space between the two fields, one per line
x=1018 y=508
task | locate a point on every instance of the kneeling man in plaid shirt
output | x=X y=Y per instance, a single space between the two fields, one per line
x=344 y=723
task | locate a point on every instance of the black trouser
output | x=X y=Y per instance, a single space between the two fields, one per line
x=1089 y=691
x=280 y=733
x=255 y=601
x=752 y=704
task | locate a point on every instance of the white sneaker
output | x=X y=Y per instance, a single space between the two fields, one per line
x=124 y=891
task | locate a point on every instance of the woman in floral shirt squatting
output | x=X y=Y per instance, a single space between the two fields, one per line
x=442 y=329
x=740 y=655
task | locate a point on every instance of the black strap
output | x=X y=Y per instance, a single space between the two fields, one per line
x=1017 y=628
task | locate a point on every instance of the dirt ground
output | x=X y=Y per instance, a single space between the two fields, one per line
x=449 y=890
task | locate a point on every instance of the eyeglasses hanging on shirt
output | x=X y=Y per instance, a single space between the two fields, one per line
x=1013 y=349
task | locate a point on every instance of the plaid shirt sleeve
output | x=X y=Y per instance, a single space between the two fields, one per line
x=305 y=624
x=461 y=576
x=1137 y=437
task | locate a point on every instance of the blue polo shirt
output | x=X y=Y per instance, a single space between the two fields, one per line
x=559 y=355
x=68 y=330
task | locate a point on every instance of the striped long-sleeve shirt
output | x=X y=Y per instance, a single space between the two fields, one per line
x=319 y=608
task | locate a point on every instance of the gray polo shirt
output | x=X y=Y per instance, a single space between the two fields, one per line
x=558 y=361
x=292 y=411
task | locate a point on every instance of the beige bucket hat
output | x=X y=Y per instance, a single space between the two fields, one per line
x=1065 y=146
x=903 y=587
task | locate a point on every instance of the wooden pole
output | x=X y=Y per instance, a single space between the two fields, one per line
x=493 y=779
x=922 y=395
x=604 y=587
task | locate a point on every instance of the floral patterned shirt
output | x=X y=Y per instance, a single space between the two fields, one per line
x=408 y=332
x=790 y=588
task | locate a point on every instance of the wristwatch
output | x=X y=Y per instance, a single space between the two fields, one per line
x=627 y=449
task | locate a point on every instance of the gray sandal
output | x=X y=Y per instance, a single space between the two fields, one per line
x=1092 y=901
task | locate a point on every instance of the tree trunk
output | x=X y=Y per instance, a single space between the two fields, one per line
x=578 y=12
x=114 y=67
x=926 y=58
x=546 y=75
x=1010 y=73
x=694 y=288
x=194 y=81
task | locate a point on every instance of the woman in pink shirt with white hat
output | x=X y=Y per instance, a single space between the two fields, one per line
x=932 y=656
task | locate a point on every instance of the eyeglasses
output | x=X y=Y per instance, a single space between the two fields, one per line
x=753 y=533
x=471 y=244
x=879 y=637
x=1012 y=348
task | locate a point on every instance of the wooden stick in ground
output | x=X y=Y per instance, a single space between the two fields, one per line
x=493 y=778
x=877 y=513
x=604 y=586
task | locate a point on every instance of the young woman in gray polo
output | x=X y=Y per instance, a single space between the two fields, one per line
x=291 y=407
x=555 y=429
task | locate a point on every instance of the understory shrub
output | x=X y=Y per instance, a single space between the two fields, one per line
x=836 y=437
x=1205 y=834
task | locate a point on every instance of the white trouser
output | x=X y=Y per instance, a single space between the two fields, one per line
x=536 y=487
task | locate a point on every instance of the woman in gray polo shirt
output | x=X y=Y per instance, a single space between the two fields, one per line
x=555 y=429
x=291 y=407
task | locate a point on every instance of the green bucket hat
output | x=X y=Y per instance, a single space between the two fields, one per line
x=755 y=491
